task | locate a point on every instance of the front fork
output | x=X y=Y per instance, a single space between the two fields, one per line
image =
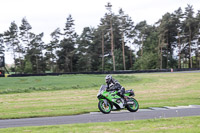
x=106 y=102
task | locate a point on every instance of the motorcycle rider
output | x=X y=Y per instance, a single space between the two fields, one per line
x=113 y=85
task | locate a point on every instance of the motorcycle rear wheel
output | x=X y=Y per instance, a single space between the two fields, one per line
x=103 y=108
x=134 y=107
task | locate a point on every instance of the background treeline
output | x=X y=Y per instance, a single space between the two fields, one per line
x=116 y=44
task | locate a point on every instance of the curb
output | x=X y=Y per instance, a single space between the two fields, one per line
x=152 y=109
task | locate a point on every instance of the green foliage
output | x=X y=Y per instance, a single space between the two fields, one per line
x=118 y=59
x=67 y=46
x=51 y=48
x=2 y=47
x=28 y=67
x=172 y=42
x=85 y=50
x=35 y=53
x=11 y=40
x=147 y=61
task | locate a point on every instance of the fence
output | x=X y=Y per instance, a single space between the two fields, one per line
x=102 y=72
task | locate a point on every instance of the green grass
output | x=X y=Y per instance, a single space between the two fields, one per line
x=166 y=125
x=76 y=94
x=45 y=83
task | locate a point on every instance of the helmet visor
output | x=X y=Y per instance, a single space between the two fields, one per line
x=107 y=80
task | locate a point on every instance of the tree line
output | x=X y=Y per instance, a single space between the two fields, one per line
x=116 y=44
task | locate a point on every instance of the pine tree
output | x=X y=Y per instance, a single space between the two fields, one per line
x=189 y=28
x=126 y=26
x=12 y=41
x=141 y=35
x=34 y=53
x=167 y=35
x=84 y=50
x=102 y=30
x=67 y=46
x=51 y=49
x=177 y=16
x=198 y=39
x=102 y=37
x=2 y=47
x=24 y=34
x=110 y=15
x=102 y=48
x=2 y=50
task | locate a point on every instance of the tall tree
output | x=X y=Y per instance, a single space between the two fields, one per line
x=35 y=55
x=25 y=33
x=177 y=16
x=141 y=34
x=67 y=46
x=102 y=29
x=51 y=49
x=167 y=35
x=24 y=36
x=84 y=50
x=110 y=15
x=102 y=48
x=102 y=37
x=149 y=59
x=11 y=40
x=189 y=28
x=2 y=47
x=126 y=26
x=198 y=38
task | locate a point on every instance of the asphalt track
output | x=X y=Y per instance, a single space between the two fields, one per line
x=152 y=113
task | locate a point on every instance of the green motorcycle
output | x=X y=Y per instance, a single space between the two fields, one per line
x=111 y=101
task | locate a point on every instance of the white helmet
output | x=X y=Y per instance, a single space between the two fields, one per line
x=108 y=79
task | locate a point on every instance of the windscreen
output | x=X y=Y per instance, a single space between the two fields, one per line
x=102 y=88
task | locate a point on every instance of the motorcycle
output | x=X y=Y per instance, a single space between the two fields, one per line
x=111 y=101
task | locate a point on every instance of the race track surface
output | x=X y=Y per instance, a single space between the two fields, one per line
x=152 y=113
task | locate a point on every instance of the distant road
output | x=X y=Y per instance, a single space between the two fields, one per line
x=194 y=71
x=197 y=71
x=99 y=117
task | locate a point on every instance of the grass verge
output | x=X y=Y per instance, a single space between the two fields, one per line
x=12 y=85
x=172 y=125
x=152 y=90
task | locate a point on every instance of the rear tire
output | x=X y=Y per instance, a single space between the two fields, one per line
x=103 y=108
x=134 y=107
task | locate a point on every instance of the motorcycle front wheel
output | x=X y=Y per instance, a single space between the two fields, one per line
x=103 y=107
x=133 y=107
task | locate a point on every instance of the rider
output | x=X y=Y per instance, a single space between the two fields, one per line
x=113 y=84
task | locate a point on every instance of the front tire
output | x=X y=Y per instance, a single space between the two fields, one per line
x=103 y=108
x=134 y=107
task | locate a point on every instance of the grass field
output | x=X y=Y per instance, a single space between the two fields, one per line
x=47 y=83
x=169 y=125
x=75 y=94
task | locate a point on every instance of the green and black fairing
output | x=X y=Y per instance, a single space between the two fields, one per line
x=111 y=101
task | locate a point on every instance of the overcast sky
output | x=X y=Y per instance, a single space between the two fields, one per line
x=47 y=15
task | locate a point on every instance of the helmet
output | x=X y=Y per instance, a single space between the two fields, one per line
x=108 y=79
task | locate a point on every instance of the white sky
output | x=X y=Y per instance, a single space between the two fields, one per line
x=47 y=15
